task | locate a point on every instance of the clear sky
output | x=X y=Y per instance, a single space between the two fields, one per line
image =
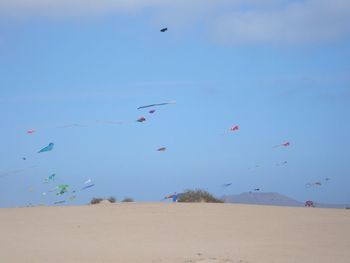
x=278 y=69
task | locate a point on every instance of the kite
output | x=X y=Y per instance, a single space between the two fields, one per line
x=283 y=163
x=87 y=181
x=63 y=188
x=24 y=158
x=162 y=149
x=226 y=185
x=327 y=179
x=308 y=185
x=257 y=189
x=164 y=29
x=285 y=144
x=141 y=119
x=51 y=177
x=86 y=187
x=31 y=131
x=152 y=111
x=234 y=128
x=157 y=104
x=47 y=148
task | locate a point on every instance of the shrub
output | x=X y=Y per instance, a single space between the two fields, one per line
x=198 y=196
x=112 y=199
x=127 y=199
x=96 y=200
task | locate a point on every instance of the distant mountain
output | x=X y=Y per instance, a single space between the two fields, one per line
x=261 y=198
x=332 y=205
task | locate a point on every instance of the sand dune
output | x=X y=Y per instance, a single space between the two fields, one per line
x=158 y=232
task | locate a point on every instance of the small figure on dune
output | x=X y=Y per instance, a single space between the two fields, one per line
x=173 y=196
x=309 y=203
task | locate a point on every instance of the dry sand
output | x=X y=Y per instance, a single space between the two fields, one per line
x=159 y=232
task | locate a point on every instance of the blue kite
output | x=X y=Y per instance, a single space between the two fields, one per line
x=47 y=148
x=86 y=187
x=156 y=104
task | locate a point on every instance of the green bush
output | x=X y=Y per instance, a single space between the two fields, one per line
x=96 y=200
x=198 y=196
x=127 y=199
x=112 y=199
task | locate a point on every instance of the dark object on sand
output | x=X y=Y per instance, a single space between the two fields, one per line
x=112 y=199
x=127 y=200
x=310 y=203
x=96 y=200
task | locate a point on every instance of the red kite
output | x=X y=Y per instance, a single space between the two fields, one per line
x=31 y=131
x=285 y=144
x=234 y=128
x=141 y=119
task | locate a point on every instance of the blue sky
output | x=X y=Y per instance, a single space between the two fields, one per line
x=278 y=69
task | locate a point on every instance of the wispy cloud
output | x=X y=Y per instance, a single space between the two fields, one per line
x=72 y=94
x=302 y=22
x=227 y=21
x=95 y=7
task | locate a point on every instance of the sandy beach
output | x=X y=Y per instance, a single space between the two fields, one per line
x=163 y=232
